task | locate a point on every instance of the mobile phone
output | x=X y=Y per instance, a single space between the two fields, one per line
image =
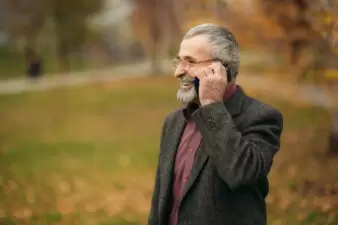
x=196 y=84
x=228 y=71
x=197 y=81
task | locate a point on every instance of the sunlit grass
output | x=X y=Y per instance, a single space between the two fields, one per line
x=87 y=155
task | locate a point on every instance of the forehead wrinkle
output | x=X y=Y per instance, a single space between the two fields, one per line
x=195 y=47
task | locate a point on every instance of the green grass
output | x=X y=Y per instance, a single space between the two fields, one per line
x=87 y=155
x=12 y=64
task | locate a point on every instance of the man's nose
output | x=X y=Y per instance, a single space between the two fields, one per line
x=181 y=70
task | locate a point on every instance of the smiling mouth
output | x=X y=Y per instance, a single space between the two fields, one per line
x=186 y=84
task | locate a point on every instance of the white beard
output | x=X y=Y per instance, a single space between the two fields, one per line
x=186 y=95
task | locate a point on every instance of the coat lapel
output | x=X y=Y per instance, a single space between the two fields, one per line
x=199 y=163
x=174 y=133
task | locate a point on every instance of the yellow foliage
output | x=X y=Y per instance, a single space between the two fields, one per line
x=326 y=23
x=331 y=74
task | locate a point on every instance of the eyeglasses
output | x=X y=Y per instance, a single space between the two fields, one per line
x=179 y=61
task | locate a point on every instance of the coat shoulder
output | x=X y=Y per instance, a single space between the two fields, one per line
x=260 y=109
x=173 y=115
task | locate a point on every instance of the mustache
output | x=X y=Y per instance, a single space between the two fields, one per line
x=186 y=79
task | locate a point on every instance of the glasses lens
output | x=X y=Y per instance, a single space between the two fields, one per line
x=176 y=62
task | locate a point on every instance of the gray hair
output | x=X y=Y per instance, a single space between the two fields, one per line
x=223 y=44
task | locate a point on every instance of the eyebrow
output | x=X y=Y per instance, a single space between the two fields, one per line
x=186 y=58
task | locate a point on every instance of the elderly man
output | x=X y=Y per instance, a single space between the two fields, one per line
x=217 y=150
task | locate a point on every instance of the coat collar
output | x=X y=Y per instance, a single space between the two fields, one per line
x=234 y=103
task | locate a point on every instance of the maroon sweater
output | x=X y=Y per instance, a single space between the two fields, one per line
x=190 y=141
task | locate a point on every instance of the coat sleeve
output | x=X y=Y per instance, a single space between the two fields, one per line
x=241 y=158
x=153 y=217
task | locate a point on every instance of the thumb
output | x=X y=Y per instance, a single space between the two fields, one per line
x=199 y=74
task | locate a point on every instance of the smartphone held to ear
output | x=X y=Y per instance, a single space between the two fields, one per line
x=197 y=81
x=228 y=71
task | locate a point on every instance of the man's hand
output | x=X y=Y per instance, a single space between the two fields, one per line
x=213 y=83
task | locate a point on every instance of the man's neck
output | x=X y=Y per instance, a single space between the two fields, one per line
x=230 y=90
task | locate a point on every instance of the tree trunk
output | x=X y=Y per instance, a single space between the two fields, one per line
x=333 y=143
x=62 y=54
x=333 y=136
x=156 y=36
x=219 y=9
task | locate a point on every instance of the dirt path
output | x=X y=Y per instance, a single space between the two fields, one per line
x=286 y=91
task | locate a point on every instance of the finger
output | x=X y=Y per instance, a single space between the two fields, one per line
x=200 y=74
x=209 y=72
x=218 y=68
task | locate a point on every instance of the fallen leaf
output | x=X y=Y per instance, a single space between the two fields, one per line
x=2 y=213
x=65 y=207
x=301 y=216
x=64 y=187
x=277 y=222
x=22 y=213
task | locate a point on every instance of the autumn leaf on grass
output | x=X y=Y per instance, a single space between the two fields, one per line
x=114 y=203
x=333 y=217
x=301 y=216
x=2 y=213
x=79 y=184
x=270 y=199
x=30 y=195
x=11 y=186
x=329 y=204
x=286 y=199
x=277 y=222
x=63 y=187
x=65 y=207
x=23 y=213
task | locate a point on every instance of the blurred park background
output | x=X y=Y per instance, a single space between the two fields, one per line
x=86 y=84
